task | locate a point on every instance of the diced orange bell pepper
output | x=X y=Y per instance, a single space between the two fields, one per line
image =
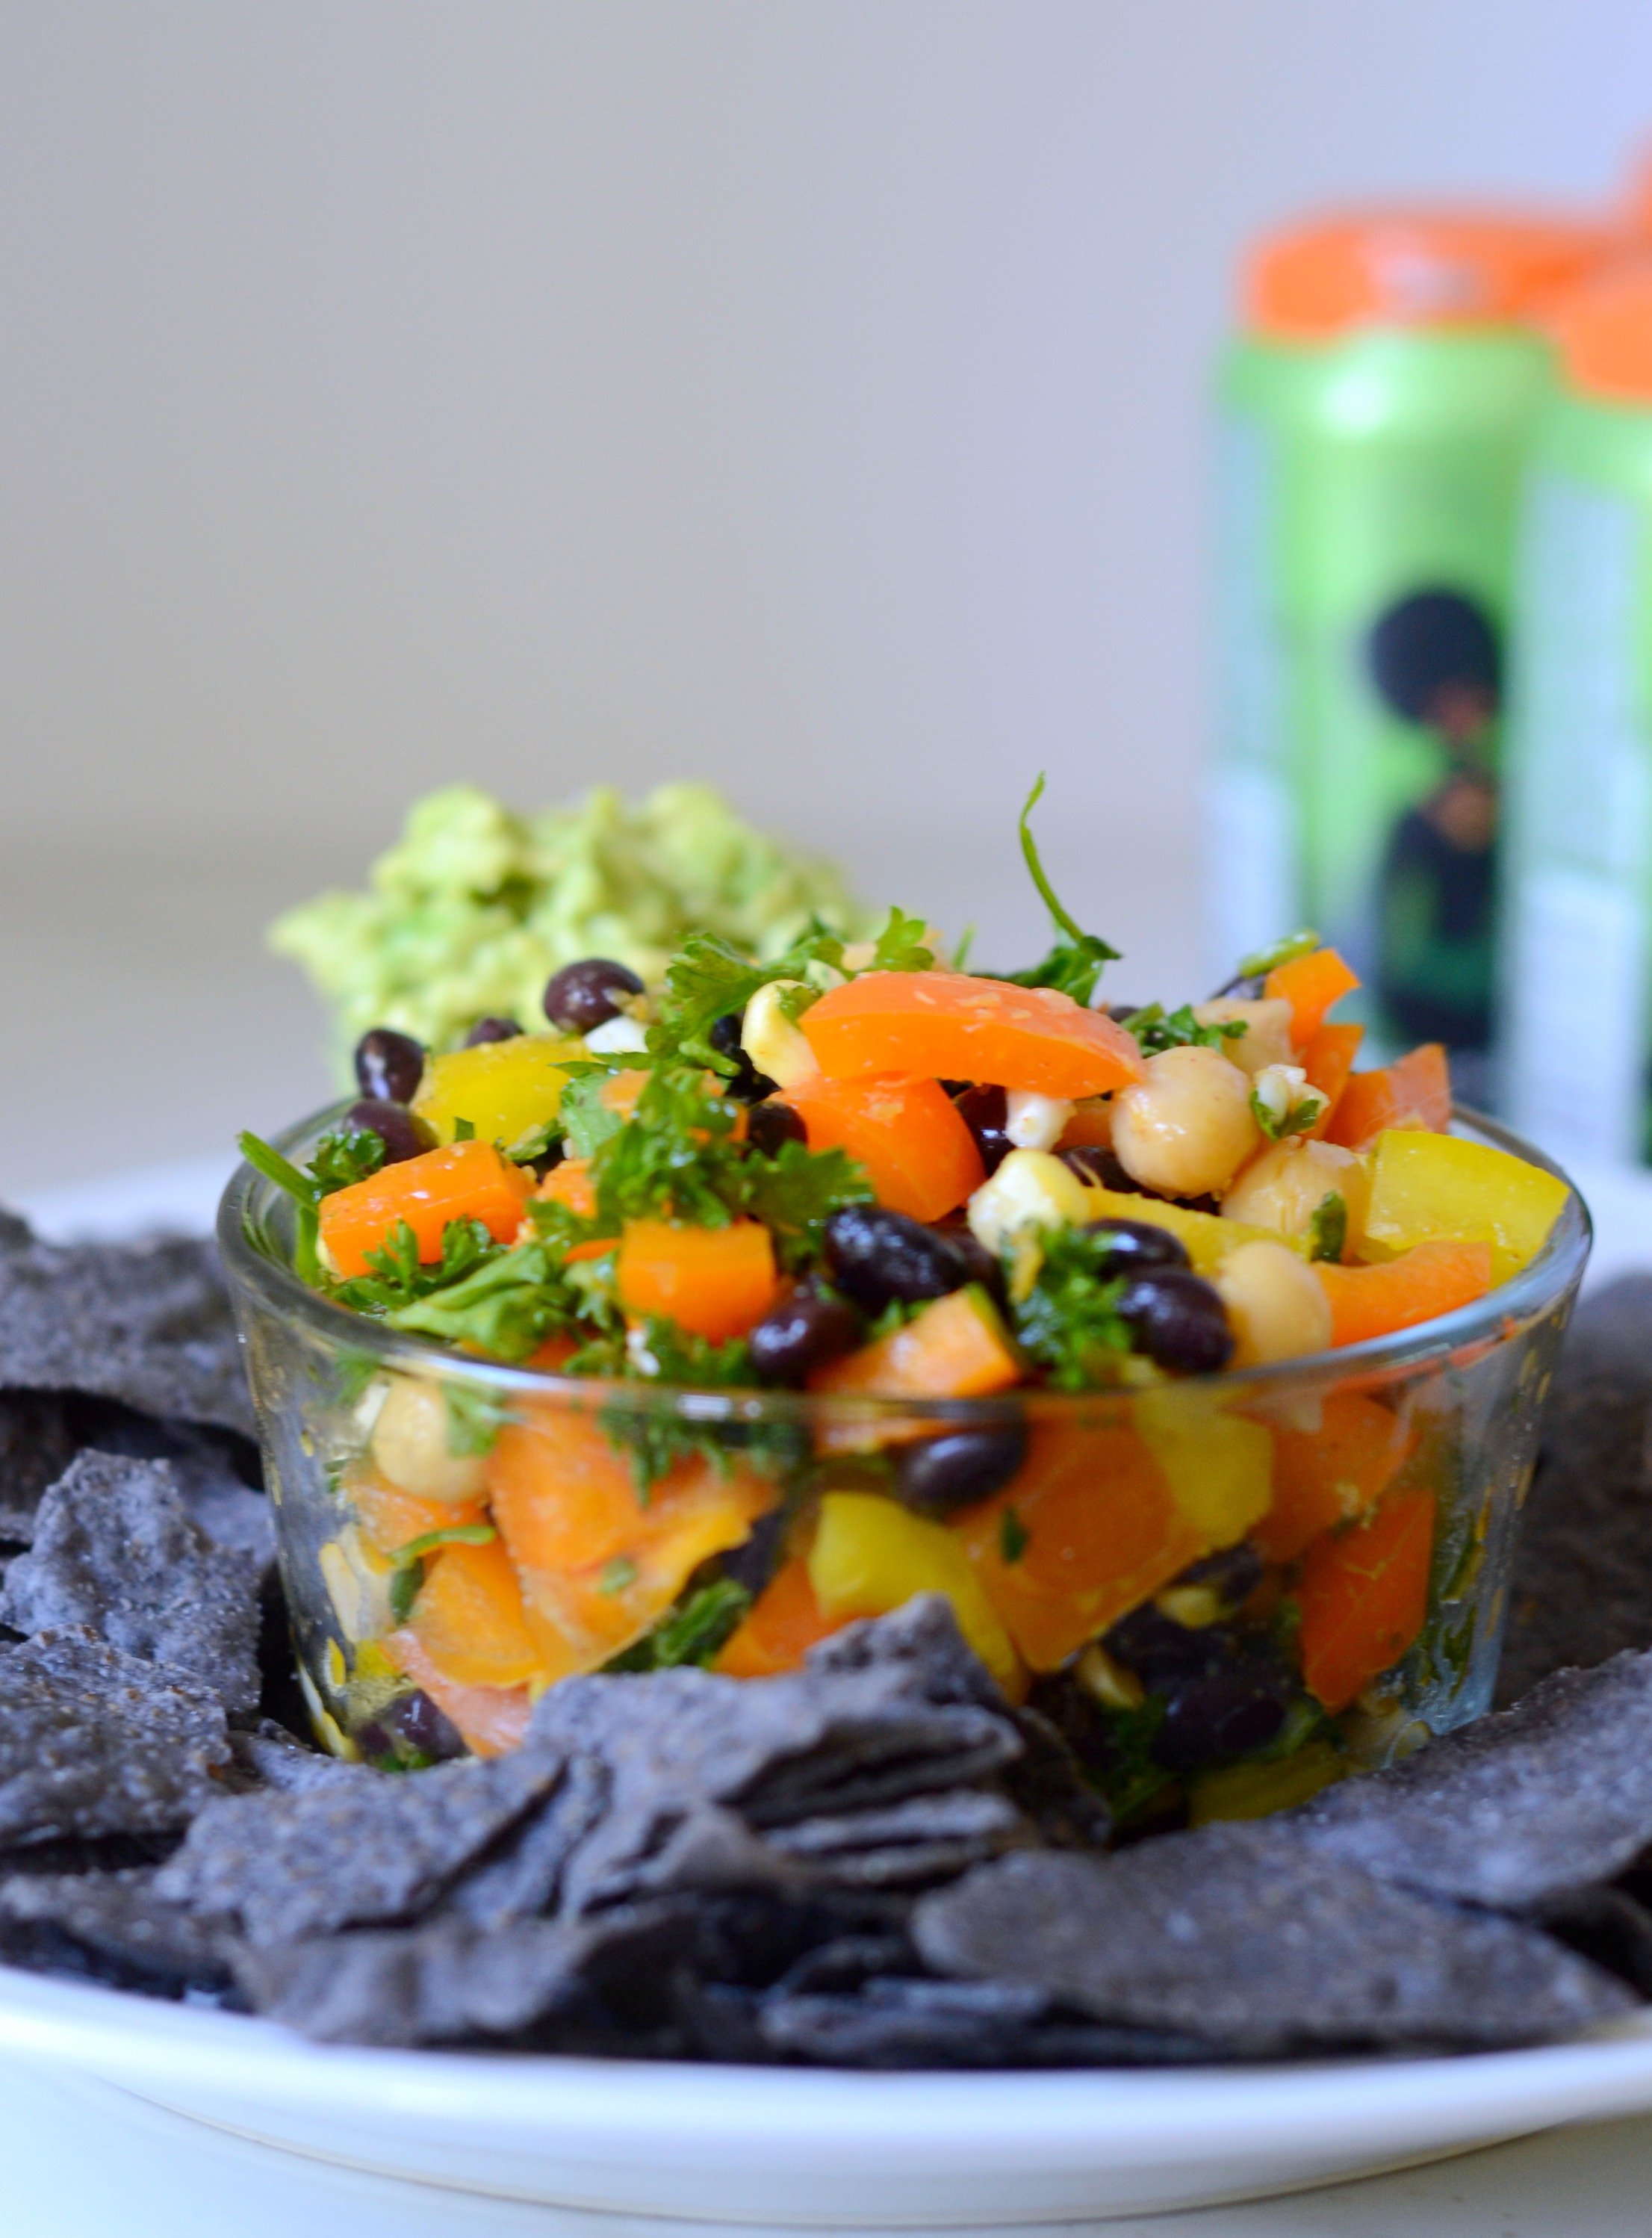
x=1328 y=1060
x=490 y=1720
x=1364 y=1596
x=1088 y=1528
x=391 y=1518
x=595 y=1558
x=1414 y=1091
x=1331 y=1475
x=780 y=1627
x=619 y=1092
x=1090 y=1127
x=919 y=1156
x=718 y=1281
x=1428 y=1280
x=466 y=1181
x=943 y=1026
x=471 y=1621
x=956 y=1347
x=570 y=1183
x=1310 y=984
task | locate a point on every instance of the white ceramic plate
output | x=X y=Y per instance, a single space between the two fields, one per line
x=794 y=2149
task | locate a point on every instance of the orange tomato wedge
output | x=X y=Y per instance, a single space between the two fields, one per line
x=1364 y=1596
x=1428 y=1279
x=943 y=1026
x=780 y=1627
x=1328 y=1060
x=490 y=1720
x=1414 y=1091
x=919 y=1156
x=1331 y=1475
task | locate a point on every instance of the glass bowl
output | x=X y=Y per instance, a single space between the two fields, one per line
x=456 y=1534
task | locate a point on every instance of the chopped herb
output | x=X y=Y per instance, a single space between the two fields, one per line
x=709 y=979
x=399 y=1277
x=1156 y=1028
x=1073 y=964
x=1283 y=951
x=796 y=1191
x=268 y=1162
x=1328 y=1229
x=901 y=945
x=616 y=1575
x=1013 y=1538
x=694 y=1634
x=1068 y=1321
x=341 y=1160
x=587 y=1121
x=474 y=1419
x=1128 y=1775
x=464 y=1130
x=505 y=1305
x=451 y=1534
x=1279 y=1118
x=961 y=953
x=405 y=1586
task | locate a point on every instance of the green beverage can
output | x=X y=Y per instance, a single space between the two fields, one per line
x=1577 y=954
x=1375 y=415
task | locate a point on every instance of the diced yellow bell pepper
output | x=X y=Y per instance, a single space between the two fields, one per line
x=871 y=1555
x=1435 y=1188
x=1220 y=1466
x=507 y=1090
x=1256 y=1791
x=1208 y=1238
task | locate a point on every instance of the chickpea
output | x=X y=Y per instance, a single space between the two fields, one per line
x=1187 y=1130
x=1266 y=1038
x=1285 y=1186
x=1277 y=1306
x=410 y=1445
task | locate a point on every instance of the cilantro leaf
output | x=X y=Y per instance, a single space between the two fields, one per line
x=1328 y=1227
x=340 y=1159
x=709 y=978
x=506 y=1305
x=1073 y=964
x=796 y=1191
x=1156 y=1028
x=397 y=1277
x=587 y=1121
x=901 y=945
x=1068 y=1321
x=695 y=1633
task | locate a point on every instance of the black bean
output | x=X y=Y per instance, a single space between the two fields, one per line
x=771 y=1125
x=745 y=1084
x=936 y=1475
x=975 y=1262
x=1090 y=1162
x=388 y=1065
x=1135 y=1245
x=878 y=1256
x=393 y=1124
x=805 y=1328
x=1177 y=1320
x=984 y=1111
x=1227 y=1712
x=1233 y=1575
x=1162 y=1652
x=411 y=1724
x=761 y=1553
x=492 y=1029
x=587 y=994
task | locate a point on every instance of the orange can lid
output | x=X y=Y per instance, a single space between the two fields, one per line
x=1603 y=332
x=1416 y=267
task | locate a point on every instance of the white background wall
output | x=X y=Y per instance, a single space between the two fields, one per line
x=805 y=393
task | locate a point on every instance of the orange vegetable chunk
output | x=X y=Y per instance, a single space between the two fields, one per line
x=570 y=1183
x=391 y=1518
x=1328 y=1060
x=1310 y=984
x=491 y=1720
x=1365 y=1595
x=1096 y=1529
x=956 y=1347
x=465 y=1181
x=779 y=1628
x=1428 y=1279
x=1414 y=1091
x=919 y=1154
x=945 y=1025
x=717 y=1282
x=598 y=1562
x=1331 y=1475
x=471 y=1619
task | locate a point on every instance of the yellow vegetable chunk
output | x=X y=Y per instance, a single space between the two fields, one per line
x=1220 y=1466
x=1209 y=1238
x=507 y=1090
x=870 y=1555
x=1427 y=1188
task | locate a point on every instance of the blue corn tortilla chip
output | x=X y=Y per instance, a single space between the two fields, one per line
x=95 y=1743
x=364 y=1848
x=1521 y=1810
x=1261 y=1947
x=109 y=1927
x=146 y=1323
x=115 y=1551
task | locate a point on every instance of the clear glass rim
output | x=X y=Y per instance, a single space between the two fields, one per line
x=255 y=1262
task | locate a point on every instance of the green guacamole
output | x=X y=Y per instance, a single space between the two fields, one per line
x=474 y=907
